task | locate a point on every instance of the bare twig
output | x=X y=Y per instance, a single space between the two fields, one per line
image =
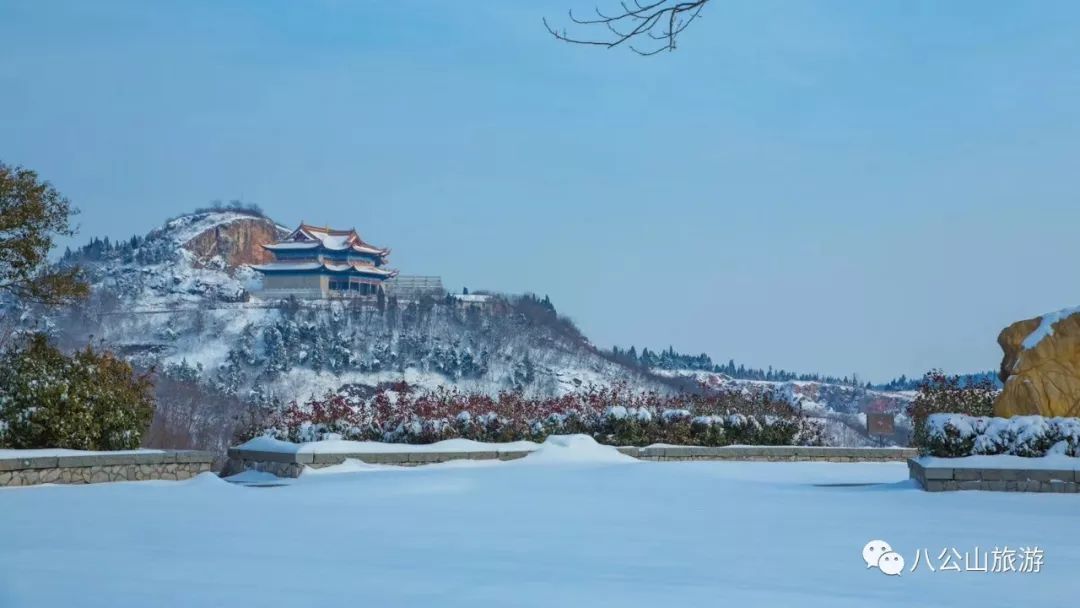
x=658 y=21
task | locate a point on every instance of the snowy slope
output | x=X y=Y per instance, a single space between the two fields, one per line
x=841 y=407
x=810 y=395
x=162 y=304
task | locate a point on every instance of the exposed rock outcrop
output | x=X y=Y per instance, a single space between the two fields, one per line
x=234 y=243
x=1041 y=366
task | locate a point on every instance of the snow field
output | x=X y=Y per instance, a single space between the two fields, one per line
x=571 y=529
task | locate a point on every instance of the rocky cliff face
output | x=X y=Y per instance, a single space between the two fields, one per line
x=1041 y=366
x=235 y=243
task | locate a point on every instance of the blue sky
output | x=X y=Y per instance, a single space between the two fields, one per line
x=839 y=186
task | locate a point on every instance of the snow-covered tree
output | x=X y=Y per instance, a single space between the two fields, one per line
x=277 y=356
x=89 y=401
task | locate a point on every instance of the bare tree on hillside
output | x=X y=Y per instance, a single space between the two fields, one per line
x=647 y=28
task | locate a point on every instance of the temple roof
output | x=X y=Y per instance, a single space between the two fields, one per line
x=315 y=237
x=349 y=269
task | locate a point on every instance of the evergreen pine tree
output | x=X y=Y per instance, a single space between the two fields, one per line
x=277 y=359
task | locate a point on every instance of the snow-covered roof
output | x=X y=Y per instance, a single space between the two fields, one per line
x=365 y=248
x=353 y=268
x=361 y=268
x=293 y=245
x=281 y=266
x=306 y=236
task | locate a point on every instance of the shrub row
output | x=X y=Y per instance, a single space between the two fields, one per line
x=956 y=435
x=402 y=415
x=942 y=394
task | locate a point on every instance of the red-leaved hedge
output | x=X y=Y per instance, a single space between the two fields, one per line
x=611 y=415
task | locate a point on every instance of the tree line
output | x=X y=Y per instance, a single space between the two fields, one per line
x=670 y=359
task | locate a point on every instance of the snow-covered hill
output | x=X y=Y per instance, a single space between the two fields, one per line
x=843 y=406
x=184 y=300
x=811 y=395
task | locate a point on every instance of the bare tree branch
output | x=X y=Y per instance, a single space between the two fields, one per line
x=659 y=22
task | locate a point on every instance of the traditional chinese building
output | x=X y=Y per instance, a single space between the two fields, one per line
x=322 y=262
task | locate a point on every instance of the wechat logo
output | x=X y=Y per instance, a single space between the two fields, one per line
x=879 y=554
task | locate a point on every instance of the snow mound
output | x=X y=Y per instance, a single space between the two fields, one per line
x=205 y=479
x=270 y=444
x=558 y=449
x=351 y=465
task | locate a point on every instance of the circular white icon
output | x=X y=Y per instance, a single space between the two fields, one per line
x=891 y=563
x=873 y=551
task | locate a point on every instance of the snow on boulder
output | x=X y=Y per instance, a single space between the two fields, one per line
x=1041 y=366
x=567 y=449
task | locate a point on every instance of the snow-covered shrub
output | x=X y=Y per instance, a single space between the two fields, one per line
x=993 y=435
x=956 y=435
x=1068 y=433
x=88 y=401
x=399 y=414
x=709 y=430
x=939 y=393
x=619 y=422
x=949 y=435
x=1033 y=435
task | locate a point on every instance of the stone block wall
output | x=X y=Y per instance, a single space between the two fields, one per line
x=291 y=465
x=943 y=478
x=97 y=467
x=781 y=453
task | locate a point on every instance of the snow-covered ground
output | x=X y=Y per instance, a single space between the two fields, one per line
x=577 y=527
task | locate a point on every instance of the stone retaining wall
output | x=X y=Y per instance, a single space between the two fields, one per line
x=941 y=478
x=775 y=453
x=291 y=465
x=96 y=467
